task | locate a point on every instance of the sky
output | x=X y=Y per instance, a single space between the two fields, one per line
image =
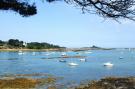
x=65 y=25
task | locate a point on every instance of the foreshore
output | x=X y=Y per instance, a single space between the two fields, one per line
x=11 y=82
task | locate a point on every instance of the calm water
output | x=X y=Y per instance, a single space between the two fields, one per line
x=37 y=62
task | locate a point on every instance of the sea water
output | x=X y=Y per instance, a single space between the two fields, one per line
x=48 y=63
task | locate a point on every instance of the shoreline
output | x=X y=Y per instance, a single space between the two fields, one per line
x=16 y=50
x=51 y=49
x=17 y=82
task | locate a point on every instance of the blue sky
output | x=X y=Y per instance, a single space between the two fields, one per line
x=65 y=25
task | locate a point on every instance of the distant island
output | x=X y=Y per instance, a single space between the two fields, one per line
x=89 y=48
x=15 y=44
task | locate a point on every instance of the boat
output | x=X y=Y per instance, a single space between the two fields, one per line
x=108 y=64
x=120 y=57
x=88 y=52
x=83 y=60
x=72 y=64
x=63 y=54
x=20 y=53
x=62 y=60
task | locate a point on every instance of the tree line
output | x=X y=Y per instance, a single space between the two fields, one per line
x=15 y=43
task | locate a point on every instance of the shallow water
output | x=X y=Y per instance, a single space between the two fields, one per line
x=38 y=62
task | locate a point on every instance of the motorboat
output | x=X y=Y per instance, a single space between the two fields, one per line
x=108 y=64
x=120 y=57
x=83 y=60
x=62 y=60
x=88 y=52
x=20 y=53
x=72 y=64
x=63 y=54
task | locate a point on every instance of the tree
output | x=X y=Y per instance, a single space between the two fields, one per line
x=37 y=45
x=15 y=43
x=114 y=9
x=23 y=8
x=1 y=43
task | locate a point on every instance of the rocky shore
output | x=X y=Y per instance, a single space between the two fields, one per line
x=31 y=83
x=110 y=83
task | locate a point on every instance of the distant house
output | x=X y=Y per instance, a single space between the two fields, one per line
x=25 y=44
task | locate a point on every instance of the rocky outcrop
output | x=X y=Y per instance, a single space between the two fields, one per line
x=110 y=83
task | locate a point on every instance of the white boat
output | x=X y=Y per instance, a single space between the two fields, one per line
x=108 y=64
x=83 y=60
x=62 y=60
x=20 y=53
x=63 y=54
x=88 y=52
x=72 y=64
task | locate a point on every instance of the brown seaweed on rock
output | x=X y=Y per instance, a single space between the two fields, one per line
x=24 y=83
x=110 y=83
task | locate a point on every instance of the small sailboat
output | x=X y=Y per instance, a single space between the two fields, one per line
x=83 y=60
x=72 y=64
x=108 y=64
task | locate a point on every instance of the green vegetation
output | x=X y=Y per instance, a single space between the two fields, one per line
x=11 y=43
x=36 y=45
x=1 y=43
x=17 y=44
